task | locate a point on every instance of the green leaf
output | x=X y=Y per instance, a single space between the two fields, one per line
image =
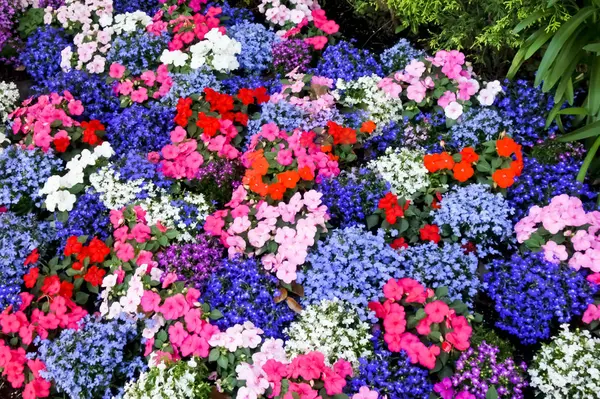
x=492 y=393
x=215 y=314
x=222 y=362
x=558 y=41
x=588 y=160
x=594 y=89
x=528 y=21
x=81 y=298
x=441 y=292
x=591 y=130
x=162 y=335
x=214 y=354
x=537 y=43
x=566 y=61
x=593 y=47
x=573 y=111
x=520 y=55
x=372 y=221
x=420 y=315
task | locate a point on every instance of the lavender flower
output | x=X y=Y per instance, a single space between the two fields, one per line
x=291 y=54
x=344 y=61
x=194 y=263
x=139 y=51
x=476 y=126
x=41 y=54
x=398 y=56
x=186 y=84
x=478 y=370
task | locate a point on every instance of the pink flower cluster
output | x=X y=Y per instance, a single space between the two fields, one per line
x=255 y=228
x=181 y=316
x=421 y=80
x=580 y=229
x=37 y=119
x=303 y=371
x=128 y=235
x=62 y=313
x=401 y=297
x=270 y=367
x=138 y=89
x=245 y=335
x=186 y=29
x=313 y=96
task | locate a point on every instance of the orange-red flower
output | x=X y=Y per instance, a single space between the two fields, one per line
x=469 y=155
x=368 y=127
x=276 y=191
x=289 y=179
x=506 y=147
x=504 y=178
x=257 y=186
x=306 y=173
x=516 y=167
x=463 y=171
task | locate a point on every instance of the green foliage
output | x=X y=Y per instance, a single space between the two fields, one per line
x=570 y=63
x=483 y=28
x=483 y=333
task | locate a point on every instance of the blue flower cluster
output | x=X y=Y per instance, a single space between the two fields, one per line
x=234 y=83
x=530 y=294
x=353 y=195
x=135 y=166
x=398 y=56
x=91 y=89
x=24 y=173
x=242 y=292
x=477 y=125
x=539 y=183
x=19 y=236
x=89 y=362
x=41 y=54
x=443 y=266
x=526 y=106
x=123 y=6
x=474 y=214
x=257 y=42
x=232 y=15
x=391 y=375
x=352 y=265
x=284 y=114
x=344 y=61
x=89 y=217
x=139 y=50
x=140 y=128
x=186 y=84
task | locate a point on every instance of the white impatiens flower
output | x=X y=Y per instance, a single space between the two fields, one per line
x=365 y=93
x=568 y=366
x=404 y=170
x=453 y=110
x=332 y=328
x=9 y=94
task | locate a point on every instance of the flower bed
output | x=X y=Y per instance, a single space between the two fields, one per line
x=205 y=200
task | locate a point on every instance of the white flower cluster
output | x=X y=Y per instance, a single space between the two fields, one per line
x=364 y=92
x=93 y=24
x=57 y=187
x=245 y=335
x=568 y=367
x=160 y=208
x=116 y=194
x=9 y=94
x=404 y=170
x=333 y=328
x=280 y=14
x=487 y=95
x=216 y=50
x=179 y=380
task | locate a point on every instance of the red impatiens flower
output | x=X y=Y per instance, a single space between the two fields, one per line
x=399 y=243
x=94 y=275
x=246 y=96
x=221 y=103
x=184 y=111
x=51 y=285
x=209 y=125
x=31 y=277
x=66 y=290
x=61 y=144
x=430 y=232
x=32 y=257
x=469 y=155
x=98 y=251
x=73 y=246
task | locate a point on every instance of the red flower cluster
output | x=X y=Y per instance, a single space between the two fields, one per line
x=90 y=135
x=341 y=135
x=95 y=252
x=430 y=232
x=392 y=208
x=403 y=299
